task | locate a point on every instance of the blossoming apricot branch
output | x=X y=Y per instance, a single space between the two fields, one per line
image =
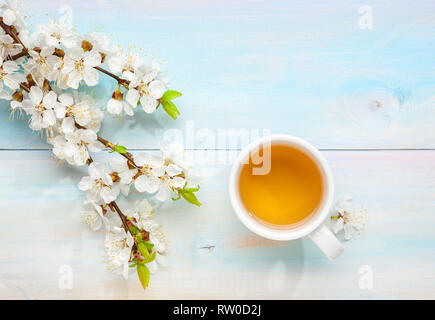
x=44 y=75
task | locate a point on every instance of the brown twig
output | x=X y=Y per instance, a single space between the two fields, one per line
x=110 y=145
x=10 y=31
x=24 y=87
x=122 y=82
x=121 y=215
x=23 y=53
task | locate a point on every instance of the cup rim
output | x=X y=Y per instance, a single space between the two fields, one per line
x=282 y=234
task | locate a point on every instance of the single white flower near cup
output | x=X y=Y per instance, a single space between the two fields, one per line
x=348 y=218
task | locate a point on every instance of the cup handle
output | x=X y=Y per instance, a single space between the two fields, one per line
x=327 y=242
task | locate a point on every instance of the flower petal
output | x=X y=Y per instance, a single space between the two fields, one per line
x=149 y=104
x=66 y=99
x=132 y=97
x=92 y=59
x=49 y=117
x=85 y=183
x=35 y=95
x=96 y=170
x=164 y=193
x=338 y=225
x=68 y=125
x=146 y=184
x=114 y=106
x=91 y=76
x=157 y=89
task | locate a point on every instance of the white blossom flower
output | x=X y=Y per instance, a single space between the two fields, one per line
x=119 y=244
x=348 y=218
x=125 y=173
x=10 y=11
x=174 y=153
x=42 y=107
x=56 y=33
x=100 y=44
x=152 y=169
x=118 y=63
x=41 y=65
x=148 y=89
x=79 y=65
x=158 y=175
x=8 y=47
x=86 y=111
x=79 y=113
x=9 y=75
x=78 y=144
x=116 y=104
x=94 y=216
x=59 y=143
x=142 y=210
x=157 y=238
x=99 y=184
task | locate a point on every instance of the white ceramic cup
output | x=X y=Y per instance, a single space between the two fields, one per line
x=313 y=226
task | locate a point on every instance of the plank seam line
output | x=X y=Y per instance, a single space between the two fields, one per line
x=321 y=149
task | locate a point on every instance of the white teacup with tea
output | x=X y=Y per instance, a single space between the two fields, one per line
x=281 y=188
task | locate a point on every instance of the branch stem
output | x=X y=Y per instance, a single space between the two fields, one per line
x=10 y=31
x=25 y=53
x=115 y=206
x=114 y=76
x=110 y=145
x=121 y=215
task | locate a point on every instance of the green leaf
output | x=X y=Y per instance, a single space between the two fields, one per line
x=149 y=245
x=190 y=197
x=170 y=95
x=150 y=259
x=177 y=198
x=120 y=149
x=143 y=249
x=134 y=230
x=191 y=189
x=144 y=275
x=170 y=109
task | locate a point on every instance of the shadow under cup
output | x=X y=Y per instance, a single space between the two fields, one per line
x=282 y=186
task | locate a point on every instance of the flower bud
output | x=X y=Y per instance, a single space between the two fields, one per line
x=103 y=57
x=59 y=52
x=115 y=177
x=117 y=95
x=86 y=45
x=18 y=96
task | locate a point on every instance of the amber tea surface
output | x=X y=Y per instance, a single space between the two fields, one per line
x=288 y=194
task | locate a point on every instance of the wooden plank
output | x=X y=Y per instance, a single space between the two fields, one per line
x=211 y=254
x=284 y=66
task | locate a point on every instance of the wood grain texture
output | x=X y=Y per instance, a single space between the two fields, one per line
x=285 y=66
x=211 y=254
x=246 y=68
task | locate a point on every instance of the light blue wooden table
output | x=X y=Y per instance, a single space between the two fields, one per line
x=363 y=93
